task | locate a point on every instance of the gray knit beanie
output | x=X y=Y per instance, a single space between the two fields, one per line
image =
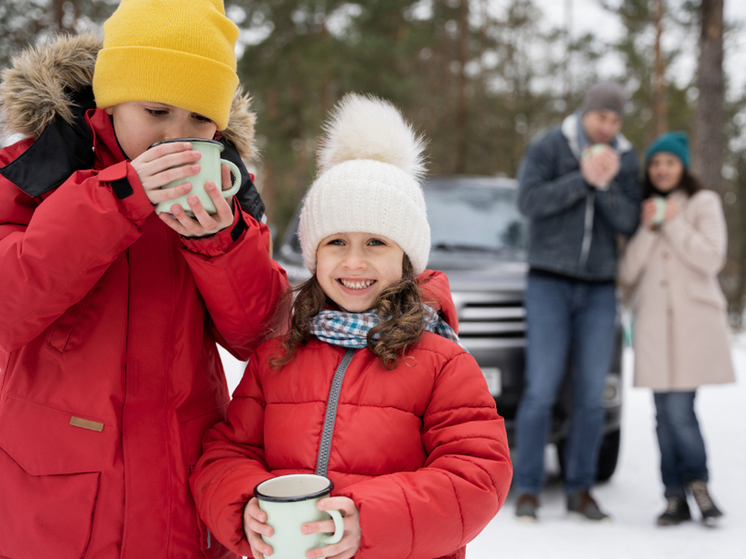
x=604 y=96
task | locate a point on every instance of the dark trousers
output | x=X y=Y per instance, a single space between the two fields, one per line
x=562 y=314
x=683 y=455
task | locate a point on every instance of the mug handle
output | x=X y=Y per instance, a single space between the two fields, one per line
x=236 y=178
x=339 y=528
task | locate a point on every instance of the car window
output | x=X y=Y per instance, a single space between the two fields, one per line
x=481 y=216
x=475 y=217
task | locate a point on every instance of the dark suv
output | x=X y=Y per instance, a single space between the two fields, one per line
x=479 y=241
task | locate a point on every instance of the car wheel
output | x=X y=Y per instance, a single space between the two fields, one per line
x=607 y=456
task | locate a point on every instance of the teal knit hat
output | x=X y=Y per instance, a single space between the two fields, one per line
x=676 y=143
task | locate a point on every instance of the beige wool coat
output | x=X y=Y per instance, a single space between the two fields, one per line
x=680 y=321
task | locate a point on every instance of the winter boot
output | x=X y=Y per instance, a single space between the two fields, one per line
x=677 y=511
x=710 y=513
x=583 y=505
x=525 y=507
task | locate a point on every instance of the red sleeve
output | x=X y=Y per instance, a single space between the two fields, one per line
x=240 y=283
x=53 y=249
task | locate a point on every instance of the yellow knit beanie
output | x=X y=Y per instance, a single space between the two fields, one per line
x=177 y=52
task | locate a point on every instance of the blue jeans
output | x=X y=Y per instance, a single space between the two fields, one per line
x=683 y=455
x=564 y=315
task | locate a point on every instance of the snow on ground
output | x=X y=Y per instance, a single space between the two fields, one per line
x=633 y=496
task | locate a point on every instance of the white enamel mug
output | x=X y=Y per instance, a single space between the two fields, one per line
x=290 y=502
x=210 y=171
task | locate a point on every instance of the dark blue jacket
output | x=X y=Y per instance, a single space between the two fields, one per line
x=574 y=226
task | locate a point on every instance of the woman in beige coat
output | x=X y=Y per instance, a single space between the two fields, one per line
x=681 y=332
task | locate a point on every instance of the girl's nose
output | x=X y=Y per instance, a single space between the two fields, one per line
x=355 y=260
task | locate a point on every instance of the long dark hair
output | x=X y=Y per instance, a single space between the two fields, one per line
x=688 y=183
x=400 y=302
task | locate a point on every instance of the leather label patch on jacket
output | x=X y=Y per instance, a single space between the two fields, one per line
x=86 y=424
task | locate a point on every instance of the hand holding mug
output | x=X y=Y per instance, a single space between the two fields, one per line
x=163 y=164
x=657 y=210
x=208 y=170
x=599 y=165
x=672 y=209
x=201 y=223
x=348 y=546
x=254 y=525
x=289 y=518
x=653 y=211
x=179 y=177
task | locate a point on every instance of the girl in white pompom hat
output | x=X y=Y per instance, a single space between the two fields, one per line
x=415 y=449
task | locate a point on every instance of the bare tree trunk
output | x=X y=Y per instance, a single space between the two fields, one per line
x=737 y=297
x=660 y=105
x=462 y=101
x=268 y=189
x=568 y=58
x=64 y=21
x=708 y=116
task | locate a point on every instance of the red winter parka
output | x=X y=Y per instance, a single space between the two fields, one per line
x=420 y=449
x=109 y=369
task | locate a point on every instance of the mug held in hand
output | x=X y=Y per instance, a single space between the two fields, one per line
x=210 y=171
x=290 y=502
x=660 y=211
x=595 y=149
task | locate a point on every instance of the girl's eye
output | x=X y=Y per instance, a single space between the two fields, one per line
x=338 y=242
x=156 y=112
x=376 y=242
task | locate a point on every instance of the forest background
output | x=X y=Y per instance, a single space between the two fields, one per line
x=479 y=78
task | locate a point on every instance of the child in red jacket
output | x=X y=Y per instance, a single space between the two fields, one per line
x=110 y=314
x=419 y=457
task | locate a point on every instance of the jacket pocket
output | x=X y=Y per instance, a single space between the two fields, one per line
x=50 y=471
x=63 y=327
x=706 y=293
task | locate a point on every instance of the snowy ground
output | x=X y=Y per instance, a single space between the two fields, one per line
x=633 y=496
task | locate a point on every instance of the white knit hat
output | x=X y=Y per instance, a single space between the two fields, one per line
x=369 y=169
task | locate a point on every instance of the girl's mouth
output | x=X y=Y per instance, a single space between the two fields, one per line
x=359 y=284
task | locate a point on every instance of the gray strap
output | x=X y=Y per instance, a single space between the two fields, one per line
x=325 y=447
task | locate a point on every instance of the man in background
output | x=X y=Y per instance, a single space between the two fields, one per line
x=578 y=184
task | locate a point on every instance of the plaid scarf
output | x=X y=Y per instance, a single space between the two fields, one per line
x=348 y=329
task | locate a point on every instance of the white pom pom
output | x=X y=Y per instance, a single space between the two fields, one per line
x=366 y=127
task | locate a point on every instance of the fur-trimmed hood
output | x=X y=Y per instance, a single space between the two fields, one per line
x=43 y=79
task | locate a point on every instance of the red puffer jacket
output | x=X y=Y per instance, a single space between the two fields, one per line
x=109 y=369
x=420 y=449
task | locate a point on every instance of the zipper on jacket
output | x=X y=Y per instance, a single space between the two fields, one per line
x=325 y=447
x=585 y=248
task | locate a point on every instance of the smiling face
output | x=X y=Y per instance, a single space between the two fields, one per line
x=139 y=124
x=354 y=268
x=665 y=171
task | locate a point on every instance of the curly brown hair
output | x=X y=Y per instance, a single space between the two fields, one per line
x=401 y=305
